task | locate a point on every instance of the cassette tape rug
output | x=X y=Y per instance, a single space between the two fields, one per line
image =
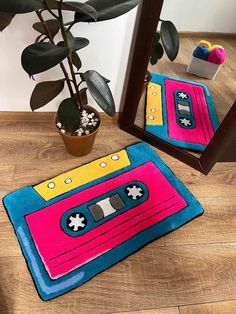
x=180 y=112
x=76 y=225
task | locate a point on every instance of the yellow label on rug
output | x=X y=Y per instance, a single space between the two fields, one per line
x=82 y=175
x=154 y=114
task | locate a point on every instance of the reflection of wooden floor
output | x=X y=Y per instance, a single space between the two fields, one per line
x=190 y=271
x=223 y=88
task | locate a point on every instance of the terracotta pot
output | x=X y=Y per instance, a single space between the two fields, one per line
x=80 y=145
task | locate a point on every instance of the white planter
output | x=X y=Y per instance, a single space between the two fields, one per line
x=203 y=68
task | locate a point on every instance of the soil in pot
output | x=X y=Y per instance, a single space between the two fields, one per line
x=81 y=142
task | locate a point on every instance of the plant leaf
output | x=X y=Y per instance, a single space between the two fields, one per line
x=83 y=96
x=76 y=43
x=100 y=91
x=83 y=78
x=106 y=80
x=170 y=39
x=41 y=57
x=76 y=60
x=53 y=26
x=38 y=38
x=107 y=9
x=5 y=20
x=157 y=51
x=20 y=6
x=44 y=92
x=79 y=7
x=69 y=114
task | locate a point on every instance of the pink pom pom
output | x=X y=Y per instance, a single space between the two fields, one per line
x=217 y=56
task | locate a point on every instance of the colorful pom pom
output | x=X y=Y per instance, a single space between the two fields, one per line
x=215 y=46
x=201 y=52
x=217 y=56
x=204 y=43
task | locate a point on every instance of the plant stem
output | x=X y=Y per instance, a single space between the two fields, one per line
x=49 y=10
x=71 y=25
x=61 y=64
x=64 y=35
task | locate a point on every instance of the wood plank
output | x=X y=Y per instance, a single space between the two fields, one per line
x=186 y=274
x=206 y=34
x=168 y=310
x=49 y=146
x=25 y=116
x=35 y=122
x=35 y=116
x=6 y=178
x=228 y=307
x=216 y=225
x=7 y=235
x=152 y=278
x=220 y=182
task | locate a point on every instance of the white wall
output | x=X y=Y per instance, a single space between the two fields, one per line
x=108 y=50
x=202 y=15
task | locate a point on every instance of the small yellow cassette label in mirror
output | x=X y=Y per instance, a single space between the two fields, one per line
x=154 y=113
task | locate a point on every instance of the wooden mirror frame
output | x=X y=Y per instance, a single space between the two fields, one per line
x=222 y=146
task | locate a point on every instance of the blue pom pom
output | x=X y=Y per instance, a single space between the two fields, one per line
x=201 y=52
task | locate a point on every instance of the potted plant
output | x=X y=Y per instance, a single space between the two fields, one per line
x=77 y=122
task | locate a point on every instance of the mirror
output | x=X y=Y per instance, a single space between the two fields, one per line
x=186 y=84
x=181 y=103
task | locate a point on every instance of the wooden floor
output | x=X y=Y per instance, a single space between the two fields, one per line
x=191 y=271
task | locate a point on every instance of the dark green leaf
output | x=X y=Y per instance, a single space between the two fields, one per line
x=41 y=57
x=83 y=96
x=148 y=77
x=107 y=9
x=83 y=78
x=79 y=7
x=106 y=80
x=69 y=115
x=45 y=92
x=170 y=39
x=41 y=38
x=76 y=60
x=157 y=51
x=157 y=37
x=100 y=91
x=5 y=20
x=38 y=38
x=20 y=6
x=76 y=43
x=52 y=25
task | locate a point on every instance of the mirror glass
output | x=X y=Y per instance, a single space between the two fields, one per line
x=191 y=78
